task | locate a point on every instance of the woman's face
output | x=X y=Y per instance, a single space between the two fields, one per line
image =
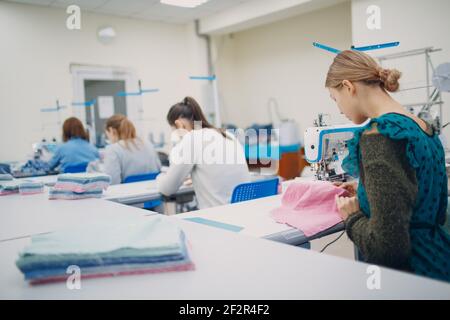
x=183 y=124
x=348 y=102
x=112 y=135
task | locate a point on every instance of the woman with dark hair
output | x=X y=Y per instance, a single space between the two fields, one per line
x=76 y=149
x=215 y=159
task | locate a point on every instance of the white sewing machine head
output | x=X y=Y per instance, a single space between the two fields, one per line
x=326 y=147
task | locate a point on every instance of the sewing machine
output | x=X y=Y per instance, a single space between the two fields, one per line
x=325 y=148
x=44 y=150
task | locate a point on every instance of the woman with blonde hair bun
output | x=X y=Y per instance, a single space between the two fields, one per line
x=395 y=215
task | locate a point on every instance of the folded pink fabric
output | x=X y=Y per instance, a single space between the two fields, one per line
x=309 y=206
x=186 y=267
x=77 y=188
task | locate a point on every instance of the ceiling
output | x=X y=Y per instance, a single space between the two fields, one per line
x=142 y=9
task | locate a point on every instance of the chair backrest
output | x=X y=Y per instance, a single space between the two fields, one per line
x=76 y=168
x=141 y=177
x=255 y=190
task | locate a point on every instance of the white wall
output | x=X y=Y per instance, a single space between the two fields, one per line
x=416 y=24
x=36 y=50
x=278 y=60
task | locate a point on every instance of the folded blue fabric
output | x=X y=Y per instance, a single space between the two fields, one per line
x=47 y=262
x=104 y=265
x=6 y=177
x=9 y=186
x=84 y=178
x=30 y=187
x=64 y=194
x=125 y=243
x=45 y=274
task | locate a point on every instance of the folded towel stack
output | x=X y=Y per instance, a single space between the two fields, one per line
x=72 y=186
x=9 y=187
x=24 y=187
x=29 y=188
x=6 y=177
x=131 y=246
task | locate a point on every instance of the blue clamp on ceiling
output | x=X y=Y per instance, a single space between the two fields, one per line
x=365 y=48
x=54 y=109
x=208 y=78
x=326 y=48
x=377 y=46
x=137 y=94
x=84 y=104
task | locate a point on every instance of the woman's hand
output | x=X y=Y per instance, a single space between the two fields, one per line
x=347 y=206
x=351 y=187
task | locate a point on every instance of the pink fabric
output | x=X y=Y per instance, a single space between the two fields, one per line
x=30 y=193
x=6 y=193
x=77 y=188
x=310 y=207
x=186 y=267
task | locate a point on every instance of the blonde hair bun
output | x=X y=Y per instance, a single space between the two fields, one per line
x=357 y=66
x=390 y=79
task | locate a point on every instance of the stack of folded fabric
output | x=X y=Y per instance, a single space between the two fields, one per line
x=72 y=186
x=131 y=246
x=6 y=177
x=30 y=187
x=8 y=187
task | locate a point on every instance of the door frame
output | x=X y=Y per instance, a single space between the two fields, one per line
x=80 y=73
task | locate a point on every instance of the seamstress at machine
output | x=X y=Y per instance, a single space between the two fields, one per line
x=396 y=214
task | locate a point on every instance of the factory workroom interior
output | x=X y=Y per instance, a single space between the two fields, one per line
x=224 y=150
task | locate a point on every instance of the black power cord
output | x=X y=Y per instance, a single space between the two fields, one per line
x=329 y=244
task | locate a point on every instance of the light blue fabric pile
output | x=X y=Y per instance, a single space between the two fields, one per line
x=130 y=245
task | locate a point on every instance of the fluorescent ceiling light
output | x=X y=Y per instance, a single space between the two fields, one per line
x=184 y=3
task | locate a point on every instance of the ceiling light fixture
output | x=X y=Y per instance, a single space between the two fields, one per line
x=184 y=3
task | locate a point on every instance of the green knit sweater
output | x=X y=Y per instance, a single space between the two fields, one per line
x=384 y=239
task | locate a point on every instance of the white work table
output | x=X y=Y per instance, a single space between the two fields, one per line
x=231 y=267
x=255 y=220
x=139 y=192
x=132 y=194
x=22 y=216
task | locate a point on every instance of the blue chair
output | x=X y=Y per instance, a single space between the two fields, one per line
x=255 y=190
x=76 y=168
x=141 y=177
x=145 y=177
